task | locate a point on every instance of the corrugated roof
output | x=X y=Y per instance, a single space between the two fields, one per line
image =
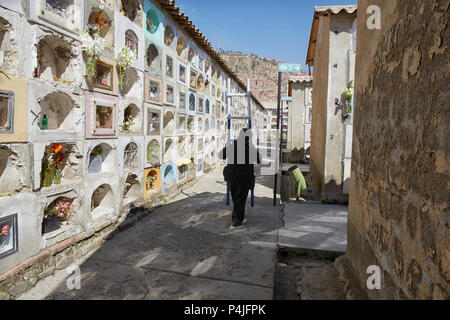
x=335 y=9
x=300 y=79
x=187 y=25
x=319 y=11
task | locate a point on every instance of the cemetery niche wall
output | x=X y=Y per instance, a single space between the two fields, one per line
x=76 y=149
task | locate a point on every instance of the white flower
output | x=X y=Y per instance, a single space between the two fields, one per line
x=92 y=45
x=126 y=57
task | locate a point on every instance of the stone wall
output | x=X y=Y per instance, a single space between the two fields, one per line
x=399 y=211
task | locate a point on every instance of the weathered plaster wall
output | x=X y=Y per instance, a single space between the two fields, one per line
x=320 y=89
x=298 y=115
x=340 y=44
x=399 y=199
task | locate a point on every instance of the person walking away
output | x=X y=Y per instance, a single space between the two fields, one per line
x=241 y=156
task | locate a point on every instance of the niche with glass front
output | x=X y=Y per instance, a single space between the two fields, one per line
x=200 y=105
x=169 y=175
x=153 y=58
x=181 y=73
x=104 y=76
x=153 y=92
x=131 y=156
x=207 y=105
x=181 y=124
x=153 y=122
x=169 y=36
x=132 y=42
x=170 y=94
x=193 y=79
x=169 y=66
x=192 y=102
x=183 y=172
x=151 y=21
x=190 y=124
x=101 y=117
x=64 y=14
x=182 y=48
x=154 y=153
x=182 y=101
x=6 y=111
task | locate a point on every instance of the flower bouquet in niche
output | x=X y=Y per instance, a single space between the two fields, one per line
x=125 y=58
x=52 y=167
x=93 y=47
x=57 y=212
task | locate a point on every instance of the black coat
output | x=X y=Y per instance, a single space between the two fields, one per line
x=240 y=168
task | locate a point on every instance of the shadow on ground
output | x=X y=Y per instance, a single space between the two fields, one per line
x=186 y=250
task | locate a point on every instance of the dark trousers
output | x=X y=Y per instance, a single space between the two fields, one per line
x=239 y=193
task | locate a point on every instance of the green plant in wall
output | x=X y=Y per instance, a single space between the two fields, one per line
x=93 y=47
x=348 y=95
x=126 y=57
x=150 y=181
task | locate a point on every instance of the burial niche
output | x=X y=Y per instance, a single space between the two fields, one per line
x=131 y=190
x=101 y=159
x=181 y=48
x=99 y=22
x=131 y=159
x=190 y=124
x=57 y=107
x=102 y=199
x=169 y=150
x=169 y=35
x=6 y=111
x=131 y=10
x=153 y=153
x=57 y=213
x=132 y=42
x=130 y=118
x=152 y=21
x=169 y=122
x=54 y=56
x=151 y=180
x=169 y=176
x=56 y=168
x=153 y=58
x=183 y=171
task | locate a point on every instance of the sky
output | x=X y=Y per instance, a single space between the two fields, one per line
x=277 y=29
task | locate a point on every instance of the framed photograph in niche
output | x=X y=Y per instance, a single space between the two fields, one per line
x=182 y=101
x=9 y=240
x=62 y=13
x=153 y=121
x=6 y=111
x=104 y=115
x=153 y=91
x=170 y=94
x=104 y=76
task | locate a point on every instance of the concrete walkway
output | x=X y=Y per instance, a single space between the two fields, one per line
x=314 y=226
x=183 y=250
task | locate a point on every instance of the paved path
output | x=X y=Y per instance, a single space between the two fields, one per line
x=184 y=250
x=314 y=226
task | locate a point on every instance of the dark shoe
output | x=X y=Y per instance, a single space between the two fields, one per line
x=236 y=223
